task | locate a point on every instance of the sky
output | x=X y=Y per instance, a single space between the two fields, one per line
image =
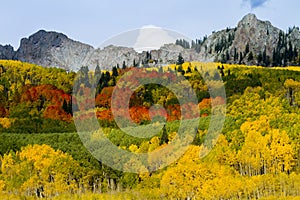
x=95 y=21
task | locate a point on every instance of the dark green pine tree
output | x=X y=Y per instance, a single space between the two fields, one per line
x=115 y=71
x=70 y=106
x=227 y=56
x=247 y=49
x=164 y=137
x=180 y=60
x=265 y=58
x=65 y=106
x=235 y=55
x=134 y=63
x=107 y=76
x=124 y=65
x=250 y=56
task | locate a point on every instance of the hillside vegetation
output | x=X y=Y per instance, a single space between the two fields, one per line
x=255 y=157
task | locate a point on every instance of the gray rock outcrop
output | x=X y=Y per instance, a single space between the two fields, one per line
x=6 y=52
x=52 y=49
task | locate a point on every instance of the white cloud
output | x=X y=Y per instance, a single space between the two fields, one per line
x=152 y=37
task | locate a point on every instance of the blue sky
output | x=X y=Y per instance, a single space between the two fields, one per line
x=94 y=21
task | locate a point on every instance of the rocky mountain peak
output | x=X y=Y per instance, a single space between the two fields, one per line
x=252 y=41
x=45 y=37
x=248 y=19
x=52 y=49
x=256 y=34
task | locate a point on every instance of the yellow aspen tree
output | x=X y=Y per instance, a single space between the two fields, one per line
x=282 y=154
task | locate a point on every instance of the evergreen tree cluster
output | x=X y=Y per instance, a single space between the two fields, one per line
x=224 y=43
x=198 y=43
x=182 y=42
x=194 y=44
x=284 y=53
x=67 y=106
x=103 y=81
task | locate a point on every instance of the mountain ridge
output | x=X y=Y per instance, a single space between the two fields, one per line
x=252 y=42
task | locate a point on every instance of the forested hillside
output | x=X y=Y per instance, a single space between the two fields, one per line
x=257 y=155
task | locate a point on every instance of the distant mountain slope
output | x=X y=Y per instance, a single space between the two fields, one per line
x=52 y=49
x=252 y=42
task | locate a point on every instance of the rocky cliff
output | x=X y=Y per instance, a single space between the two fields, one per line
x=6 y=52
x=52 y=49
x=252 y=42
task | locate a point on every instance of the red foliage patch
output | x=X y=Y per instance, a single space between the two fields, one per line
x=53 y=98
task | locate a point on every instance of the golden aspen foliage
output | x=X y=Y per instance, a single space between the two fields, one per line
x=5 y=122
x=266 y=150
x=39 y=168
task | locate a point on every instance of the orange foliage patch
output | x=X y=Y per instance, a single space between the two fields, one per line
x=104 y=98
x=57 y=113
x=53 y=97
